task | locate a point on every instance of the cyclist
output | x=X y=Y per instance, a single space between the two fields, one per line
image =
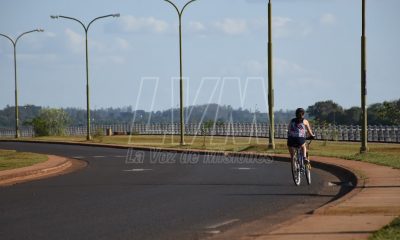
x=297 y=133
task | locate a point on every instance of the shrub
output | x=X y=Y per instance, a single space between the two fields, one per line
x=51 y=122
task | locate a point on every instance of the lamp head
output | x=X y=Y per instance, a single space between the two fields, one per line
x=116 y=15
x=54 y=16
x=40 y=30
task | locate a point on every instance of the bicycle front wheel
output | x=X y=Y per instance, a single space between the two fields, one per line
x=308 y=173
x=296 y=173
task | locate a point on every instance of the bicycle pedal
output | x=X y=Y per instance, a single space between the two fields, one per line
x=308 y=166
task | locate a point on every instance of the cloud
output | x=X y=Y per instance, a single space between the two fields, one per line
x=197 y=27
x=255 y=68
x=75 y=41
x=38 y=58
x=132 y=24
x=232 y=26
x=280 y=22
x=249 y=68
x=281 y=67
x=328 y=19
x=50 y=34
x=295 y=75
x=122 y=43
x=281 y=26
x=288 y=72
x=291 y=73
x=103 y=53
x=286 y=68
x=106 y=60
x=284 y=27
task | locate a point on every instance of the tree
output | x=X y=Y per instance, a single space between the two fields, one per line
x=386 y=113
x=390 y=112
x=50 y=122
x=352 y=116
x=326 y=111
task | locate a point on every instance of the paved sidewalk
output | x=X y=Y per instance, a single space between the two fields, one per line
x=374 y=203
x=53 y=165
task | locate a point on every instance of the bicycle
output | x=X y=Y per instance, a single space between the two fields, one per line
x=299 y=167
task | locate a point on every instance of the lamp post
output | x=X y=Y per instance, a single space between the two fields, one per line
x=182 y=126
x=271 y=144
x=364 y=120
x=14 y=42
x=86 y=28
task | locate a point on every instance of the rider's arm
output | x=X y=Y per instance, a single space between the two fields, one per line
x=308 y=127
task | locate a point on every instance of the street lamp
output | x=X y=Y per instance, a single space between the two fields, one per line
x=86 y=28
x=271 y=144
x=364 y=120
x=14 y=42
x=180 y=13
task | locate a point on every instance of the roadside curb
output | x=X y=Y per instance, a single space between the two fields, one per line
x=53 y=165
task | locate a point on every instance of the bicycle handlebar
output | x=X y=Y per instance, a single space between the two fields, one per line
x=310 y=138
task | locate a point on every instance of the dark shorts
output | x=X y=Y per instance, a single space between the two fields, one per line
x=295 y=141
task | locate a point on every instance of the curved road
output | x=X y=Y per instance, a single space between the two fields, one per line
x=159 y=198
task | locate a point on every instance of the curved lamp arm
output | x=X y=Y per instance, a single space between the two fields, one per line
x=12 y=41
x=105 y=16
x=187 y=5
x=81 y=23
x=36 y=30
x=177 y=9
x=22 y=34
x=70 y=18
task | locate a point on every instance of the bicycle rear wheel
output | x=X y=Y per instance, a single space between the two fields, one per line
x=296 y=173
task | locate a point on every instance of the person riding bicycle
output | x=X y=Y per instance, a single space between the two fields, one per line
x=297 y=133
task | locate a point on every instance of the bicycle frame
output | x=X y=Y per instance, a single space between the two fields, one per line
x=300 y=158
x=299 y=167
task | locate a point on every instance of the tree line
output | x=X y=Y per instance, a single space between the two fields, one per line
x=329 y=112
x=322 y=112
x=194 y=114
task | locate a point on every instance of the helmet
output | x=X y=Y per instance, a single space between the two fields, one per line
x=300 y=113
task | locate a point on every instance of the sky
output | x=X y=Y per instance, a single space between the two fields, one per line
x=134 y=59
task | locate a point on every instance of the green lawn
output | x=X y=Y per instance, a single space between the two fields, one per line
x=379 y=153
x=10 y=159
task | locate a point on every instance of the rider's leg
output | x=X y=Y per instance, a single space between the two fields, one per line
x=304 y=150
x=291 y=151
x=290 y=148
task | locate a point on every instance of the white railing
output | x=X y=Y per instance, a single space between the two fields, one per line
x=330 y=132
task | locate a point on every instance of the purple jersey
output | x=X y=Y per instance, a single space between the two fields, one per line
x=297 y=129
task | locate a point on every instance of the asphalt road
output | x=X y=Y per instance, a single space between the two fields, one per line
x=160 y=196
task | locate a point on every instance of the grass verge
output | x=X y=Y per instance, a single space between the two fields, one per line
x=10 y=159
x=391 y=231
